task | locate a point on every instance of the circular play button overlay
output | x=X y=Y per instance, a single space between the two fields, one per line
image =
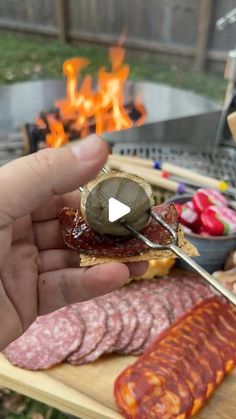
x=115 y=198
x=116 y=210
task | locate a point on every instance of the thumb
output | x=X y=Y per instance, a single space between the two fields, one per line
x=29 y=181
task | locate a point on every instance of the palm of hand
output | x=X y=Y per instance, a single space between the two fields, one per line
x=34 y=259
x=19 y=272
x=39 y=275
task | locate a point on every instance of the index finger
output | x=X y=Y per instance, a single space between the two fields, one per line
x=28 y=181
x=68 y=286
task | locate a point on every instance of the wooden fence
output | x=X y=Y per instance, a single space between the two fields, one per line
x=180 y=28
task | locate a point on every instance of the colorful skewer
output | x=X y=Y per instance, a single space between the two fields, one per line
x=186 y=175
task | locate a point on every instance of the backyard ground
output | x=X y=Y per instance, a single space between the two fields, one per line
x=24 y=58
x=33 y=58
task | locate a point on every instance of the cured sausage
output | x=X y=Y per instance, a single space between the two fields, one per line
x=94 y=318
x=48 y=341
x=128 y=319
x=108 y=340
x=184 y=363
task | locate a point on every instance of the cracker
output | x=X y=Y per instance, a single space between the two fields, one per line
x=185 y=245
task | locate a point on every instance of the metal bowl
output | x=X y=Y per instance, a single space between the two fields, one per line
x=213 y=250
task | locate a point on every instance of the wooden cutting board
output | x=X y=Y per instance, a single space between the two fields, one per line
x=87 y=391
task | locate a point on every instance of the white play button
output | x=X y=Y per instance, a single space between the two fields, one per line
x=116 y=210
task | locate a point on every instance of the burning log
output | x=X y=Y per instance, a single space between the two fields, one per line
x=37 y=135
x=33 y=137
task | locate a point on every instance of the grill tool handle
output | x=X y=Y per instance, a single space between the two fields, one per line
x=209 y=278
x=231 y=119
x=228 y=19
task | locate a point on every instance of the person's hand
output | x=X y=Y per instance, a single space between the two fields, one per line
x=37 y=273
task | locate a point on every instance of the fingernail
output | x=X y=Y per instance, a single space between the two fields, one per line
x=137 y=269
x=88 y=148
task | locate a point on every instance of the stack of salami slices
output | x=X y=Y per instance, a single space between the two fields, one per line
x=125 y=322
x=182 y=367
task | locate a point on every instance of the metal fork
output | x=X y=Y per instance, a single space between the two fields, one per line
x=173 y=246
x=104 y=170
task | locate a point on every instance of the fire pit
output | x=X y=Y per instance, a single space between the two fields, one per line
x=20 y=103
x=103 y=105
x=136 y=118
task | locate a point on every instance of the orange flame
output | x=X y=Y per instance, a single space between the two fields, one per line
x=84 y=107
x=57 y=137
x=41 y=124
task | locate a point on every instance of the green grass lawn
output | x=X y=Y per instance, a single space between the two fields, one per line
x=24 y=58
x=16 y=406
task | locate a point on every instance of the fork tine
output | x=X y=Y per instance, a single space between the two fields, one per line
x=150 y=243
x=104 y=170
x=144 y=239
x=165 y=225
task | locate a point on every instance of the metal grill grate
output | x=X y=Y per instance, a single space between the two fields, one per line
x=11 y=147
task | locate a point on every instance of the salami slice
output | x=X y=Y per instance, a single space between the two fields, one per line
x=187 y=297
x=160 y=319
x=181 y=296
x=193 y=345
x=48 y=341
x=140 y=290
x=202 y=325
x=192 y=291
x=175 y=298
x=128 y=318
x=171 y=293
x=156 y=306
x=187 y=353
x=220 y=341
x=155 y=392
x=181 y=348
x=172 y=388
x=163 y=289
x=225 y=350
x=187 y=367
x=142 y=332
x=226 y=327
x=200 y=291
x=114 y=326
x=94 y=318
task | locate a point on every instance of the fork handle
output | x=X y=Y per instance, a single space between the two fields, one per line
x=208 y=277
